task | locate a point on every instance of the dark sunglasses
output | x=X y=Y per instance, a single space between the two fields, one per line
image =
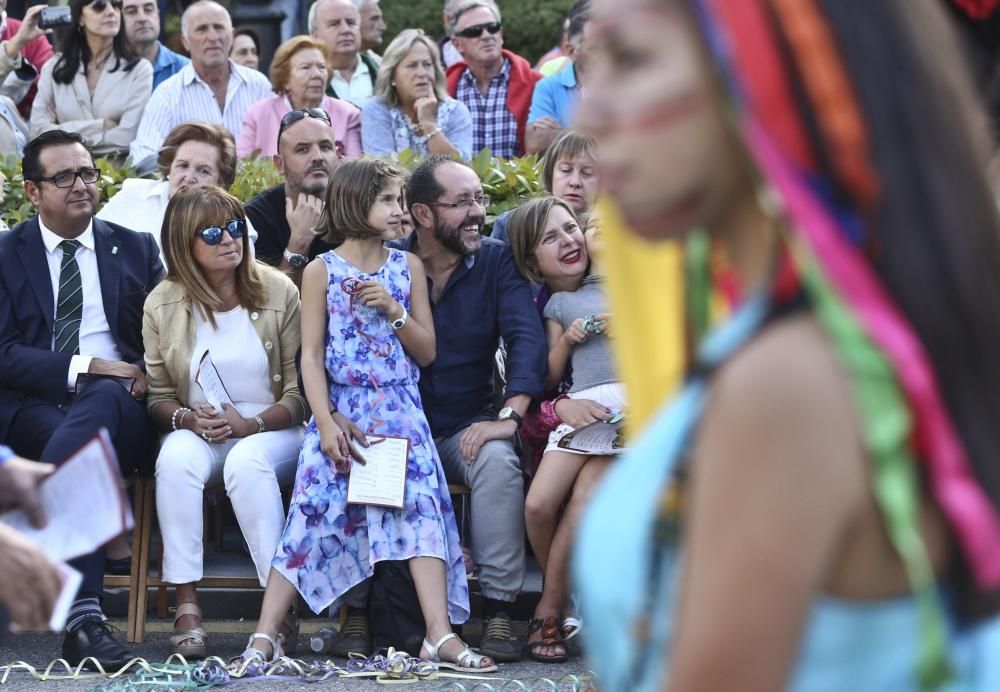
x=292 y=117
x=67 y=178
x=100 y=5
x=213 y=234
x=476 y=30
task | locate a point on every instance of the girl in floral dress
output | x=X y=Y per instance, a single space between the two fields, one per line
x=367 y=328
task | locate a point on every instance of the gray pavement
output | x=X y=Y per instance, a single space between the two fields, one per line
x=228 y=638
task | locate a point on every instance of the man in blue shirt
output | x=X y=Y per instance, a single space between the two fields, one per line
x=142 y=28
x=477 y=298
x=555 y=97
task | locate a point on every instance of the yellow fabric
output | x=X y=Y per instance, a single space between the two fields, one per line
x=645 y=289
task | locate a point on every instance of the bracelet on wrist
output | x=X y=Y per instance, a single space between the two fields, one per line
x=176 y=424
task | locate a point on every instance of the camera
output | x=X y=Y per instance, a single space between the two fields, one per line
x=52 y=17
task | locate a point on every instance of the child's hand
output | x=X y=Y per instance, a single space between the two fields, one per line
x=333 y=444
x=374 y=295
x=576 y=333
x=604 y=323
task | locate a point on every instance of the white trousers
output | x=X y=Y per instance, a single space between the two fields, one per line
x=252 y=469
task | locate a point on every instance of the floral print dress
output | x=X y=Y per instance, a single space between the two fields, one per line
x=328 y=546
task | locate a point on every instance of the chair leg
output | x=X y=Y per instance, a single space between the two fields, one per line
x=140 y=561
x=161 y=592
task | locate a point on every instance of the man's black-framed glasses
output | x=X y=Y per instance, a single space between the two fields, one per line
x=292 y=117
x=464 y=204
x=213 y=234
x=476 y=30
x=67 y=178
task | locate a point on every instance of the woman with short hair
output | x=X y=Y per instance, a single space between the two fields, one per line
x=97 y=86
x=300 y=71
x=411 y=108
x=219 y=315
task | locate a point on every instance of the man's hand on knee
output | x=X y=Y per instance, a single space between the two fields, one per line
x=19 y=479
x=117 y=368
x=478 y=434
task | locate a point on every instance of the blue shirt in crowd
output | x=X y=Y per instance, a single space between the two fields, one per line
x=168 y=63
x=555 y=96
x=486 y=298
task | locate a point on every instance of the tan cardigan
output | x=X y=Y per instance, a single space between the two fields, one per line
x=168 y=332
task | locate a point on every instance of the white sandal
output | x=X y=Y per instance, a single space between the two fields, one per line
x=571 y=623
x=251 y=655
x=467 y=660
x=199 y=649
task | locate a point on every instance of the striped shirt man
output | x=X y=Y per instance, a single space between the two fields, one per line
x=186 y=97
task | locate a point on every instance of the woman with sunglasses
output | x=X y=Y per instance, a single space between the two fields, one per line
x=97 y=85
x=220 y=333
x=300 y=72
x=411 y=108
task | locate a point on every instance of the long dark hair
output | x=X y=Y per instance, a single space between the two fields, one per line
x=934 y=236
x=75 y=52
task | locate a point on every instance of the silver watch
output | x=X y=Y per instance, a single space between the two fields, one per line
x=295 y=260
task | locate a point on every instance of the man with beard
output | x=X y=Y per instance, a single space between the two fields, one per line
x=285 y=215
x=478 y=298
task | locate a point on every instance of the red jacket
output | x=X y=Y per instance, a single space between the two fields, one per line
x=37 y=52
x=519 y=90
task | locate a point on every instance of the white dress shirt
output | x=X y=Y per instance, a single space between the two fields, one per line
x=140 y=205
x=96 y=340
x=185 y=97
x=357 y=91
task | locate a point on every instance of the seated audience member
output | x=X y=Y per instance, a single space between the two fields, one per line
x=367 y=320
x=569 y=172
x=246 y=48
x=337 y=23
x=142 y=29
x=24 y=50
x=29 y=581
x=287 y=214
x=550 y=248
x=14 y=132
x=299 y=72
x=193 y=155
x=555 y=97
x=218 y=309
x=493 y=83
x=71 y=292
x=97 y=85
x=212 y=88
x=411 y=108
x=449 y=53
x=478 y=298
x=372 y=28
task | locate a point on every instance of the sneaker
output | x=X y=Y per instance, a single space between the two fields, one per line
x=499 y=642
x=354 y=637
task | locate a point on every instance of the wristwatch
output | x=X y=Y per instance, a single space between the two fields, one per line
x=401 y=322
x=295 y=260
x=260 y=424
x=507 y=413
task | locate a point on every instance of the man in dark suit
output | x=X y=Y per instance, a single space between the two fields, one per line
x=72 y=289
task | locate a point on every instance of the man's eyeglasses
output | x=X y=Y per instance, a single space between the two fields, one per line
x=464 y=204
x=213 y=234
x=292 y=117
x=100 y=5
x=68 y=178
x=476 y=30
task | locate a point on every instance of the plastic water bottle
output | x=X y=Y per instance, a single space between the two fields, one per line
x=322 y=641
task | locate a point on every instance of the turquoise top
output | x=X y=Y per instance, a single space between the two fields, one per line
x=870 y=646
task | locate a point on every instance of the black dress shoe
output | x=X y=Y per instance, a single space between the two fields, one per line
x=94 y=639
x=121 y=567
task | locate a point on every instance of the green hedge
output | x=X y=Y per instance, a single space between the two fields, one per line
x=506 y=182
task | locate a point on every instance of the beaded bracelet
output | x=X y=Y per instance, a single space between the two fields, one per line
x=183 y=410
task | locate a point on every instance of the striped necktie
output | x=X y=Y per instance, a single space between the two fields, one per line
x=69 y=306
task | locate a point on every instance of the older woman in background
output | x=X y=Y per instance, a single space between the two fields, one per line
x=411 y=108
x=219 y=314
x=97 y=86
x=246 y=48
x=193 y=154
x=300 y=72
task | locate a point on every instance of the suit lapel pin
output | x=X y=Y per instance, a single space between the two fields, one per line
x=114 y=250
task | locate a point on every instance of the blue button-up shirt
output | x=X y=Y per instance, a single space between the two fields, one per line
x=168 y=63
x=486 y=298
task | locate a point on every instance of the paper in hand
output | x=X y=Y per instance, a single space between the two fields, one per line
x=382 y=479
x=211 y=384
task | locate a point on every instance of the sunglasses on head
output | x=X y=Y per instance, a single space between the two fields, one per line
x=476 y=30
x=292 y=117
x=213 y=234
x=100 y=5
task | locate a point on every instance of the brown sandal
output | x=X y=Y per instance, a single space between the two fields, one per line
x=551 y=636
